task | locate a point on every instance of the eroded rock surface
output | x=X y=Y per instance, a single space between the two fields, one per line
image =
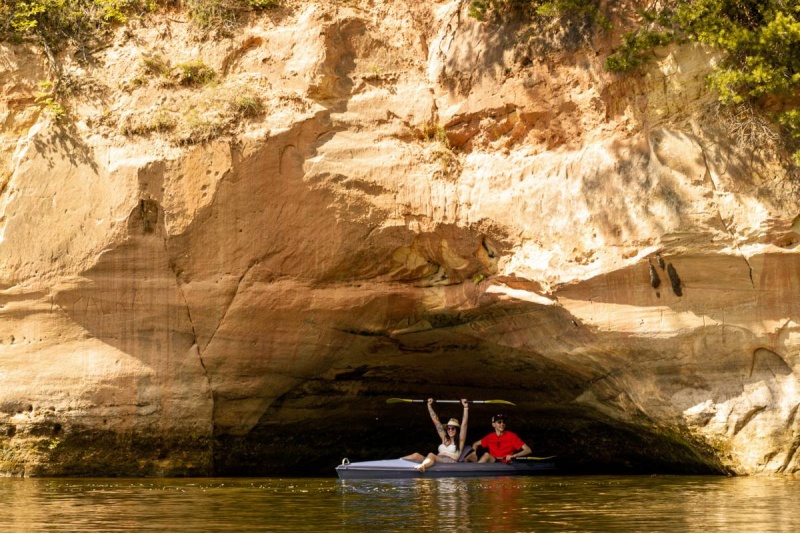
x=425 y=207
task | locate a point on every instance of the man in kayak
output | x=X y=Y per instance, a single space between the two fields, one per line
x=503 y=444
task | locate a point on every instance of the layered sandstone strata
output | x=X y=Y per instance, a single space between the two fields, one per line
x=426 y=206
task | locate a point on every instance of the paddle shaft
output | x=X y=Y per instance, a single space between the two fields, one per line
x=392 y=401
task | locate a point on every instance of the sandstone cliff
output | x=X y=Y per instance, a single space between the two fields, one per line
x=421 y=205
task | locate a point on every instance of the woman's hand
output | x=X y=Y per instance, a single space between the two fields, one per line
x=430 y=402
x=465 y=403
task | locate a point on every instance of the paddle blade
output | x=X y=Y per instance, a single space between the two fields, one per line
x=498 y=401
x=395 y=401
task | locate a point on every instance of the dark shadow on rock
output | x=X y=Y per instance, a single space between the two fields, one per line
x=64 y=140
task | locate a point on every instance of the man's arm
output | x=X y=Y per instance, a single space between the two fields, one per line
x=525 y=451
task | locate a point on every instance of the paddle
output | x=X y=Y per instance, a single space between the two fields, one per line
x=535 y=458
x=395 y=401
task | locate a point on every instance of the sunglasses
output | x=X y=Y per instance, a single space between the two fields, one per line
x=451 y=428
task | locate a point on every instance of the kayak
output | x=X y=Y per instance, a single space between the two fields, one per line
x=396 y=469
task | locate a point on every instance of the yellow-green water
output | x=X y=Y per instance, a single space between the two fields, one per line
x=542 y=504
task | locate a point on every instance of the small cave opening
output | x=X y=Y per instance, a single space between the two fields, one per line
x=347 y=416
x=574 y=393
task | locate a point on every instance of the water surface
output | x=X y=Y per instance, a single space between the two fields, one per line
x=542 y=504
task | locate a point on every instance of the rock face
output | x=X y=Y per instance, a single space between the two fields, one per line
x=425 y=206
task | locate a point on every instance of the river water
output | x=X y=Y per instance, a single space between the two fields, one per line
x=543 y=504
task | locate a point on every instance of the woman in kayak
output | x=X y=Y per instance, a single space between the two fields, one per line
x=452 y=443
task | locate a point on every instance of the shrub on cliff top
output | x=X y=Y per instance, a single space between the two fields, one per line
x=760 y=39
x=55 y=23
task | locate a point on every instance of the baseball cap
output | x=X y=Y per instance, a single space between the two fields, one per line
x=498 y=417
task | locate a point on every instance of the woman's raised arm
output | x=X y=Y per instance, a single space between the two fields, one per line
x=462 y=438
x=436 y=423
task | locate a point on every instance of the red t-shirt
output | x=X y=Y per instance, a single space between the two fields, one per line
x=502 y=445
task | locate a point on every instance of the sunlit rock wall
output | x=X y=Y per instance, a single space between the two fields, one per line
x=426 y=206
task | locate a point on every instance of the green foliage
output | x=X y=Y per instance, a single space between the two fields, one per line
x=263 y=4
x=480 y=9
x=206 y=114
x=223 y=14
x=208 y=14
x=200 y=127
x=247 y=105
x=156 y=66
x=56 y=22
x=559 y=8
x=791 y=120
x=159 y=121
x=195 y=73
x=45 y=99
x=760 y=40
x=553 y=25
x=432 y=131
x=636 y=49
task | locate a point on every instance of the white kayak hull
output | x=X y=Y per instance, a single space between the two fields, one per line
x=401 y=469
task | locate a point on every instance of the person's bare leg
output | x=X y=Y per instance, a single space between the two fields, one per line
x=426 y=463
x=486 y=458
x=416 y=457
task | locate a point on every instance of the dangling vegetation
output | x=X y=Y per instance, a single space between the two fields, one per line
x=761 y=44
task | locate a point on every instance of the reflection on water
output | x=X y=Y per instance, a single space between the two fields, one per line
x=543 y=504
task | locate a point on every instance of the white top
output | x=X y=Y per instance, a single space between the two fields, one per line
x=452 y=449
